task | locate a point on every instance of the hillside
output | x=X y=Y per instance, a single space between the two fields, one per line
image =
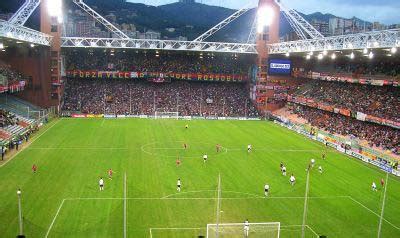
x=188 y=20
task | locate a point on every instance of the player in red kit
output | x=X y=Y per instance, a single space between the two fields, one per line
x=218 y=148
x=382 y=182
x=110 y=173
x=178 y=162
x=34 y=168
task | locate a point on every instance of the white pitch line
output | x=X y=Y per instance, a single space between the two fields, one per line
x=274 y=150
x=359 y=203
x=33 y=140
x=54 y=219
x=177 y=228
x=312 y=231
x=125 y=206
x=78 y=148
x=205 y=198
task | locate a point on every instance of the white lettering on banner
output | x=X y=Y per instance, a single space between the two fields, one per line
x=279 y=66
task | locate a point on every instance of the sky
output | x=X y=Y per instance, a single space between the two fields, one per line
x=384 y=11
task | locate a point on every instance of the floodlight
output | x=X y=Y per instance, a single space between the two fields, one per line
x=265 y=16
x=1 y=46
x=324 y=52
x=308 y=57
x=365 y=51
x=320 y=56
x=393 y=50
x=54 y=8
x=333 y=56
x=287 y=54
x=371 y=55
x=352 y=55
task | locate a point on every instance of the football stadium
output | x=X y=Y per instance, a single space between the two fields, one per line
x=188 y=118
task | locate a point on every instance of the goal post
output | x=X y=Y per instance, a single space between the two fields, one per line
x=238 y=230
x=166 y=115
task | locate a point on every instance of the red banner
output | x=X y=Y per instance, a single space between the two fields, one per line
x=141 y=75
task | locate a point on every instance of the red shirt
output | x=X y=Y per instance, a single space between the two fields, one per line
x=34 y=168
x=382 y=182
x=110 y=172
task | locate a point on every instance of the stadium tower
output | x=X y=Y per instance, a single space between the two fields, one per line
x=267 y=33
x=52 y=25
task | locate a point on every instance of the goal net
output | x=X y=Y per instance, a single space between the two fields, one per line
x=166 y=115
x=239 y=230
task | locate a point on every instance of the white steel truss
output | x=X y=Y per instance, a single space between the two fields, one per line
x=253 y=32
x=297 y=22
x=223 y=23
x=24 y=34
x=296 y=28
x=24 y=12
x=114 y=30
x=370 y=40
x=114 y=43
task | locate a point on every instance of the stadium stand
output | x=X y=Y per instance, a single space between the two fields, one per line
x=10 y=79
x=379 y=136
x=140 y=97
x=157 y=62
x=378 y=101
x=380 y=67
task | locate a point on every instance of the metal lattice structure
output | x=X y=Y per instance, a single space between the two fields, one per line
x=114 y=30
x=298 y=23
x=24 y=12
x=371 y=40
x=295 y=27
x=253 y=32
x=223 y=23
x=21 y=33
x=144 y=44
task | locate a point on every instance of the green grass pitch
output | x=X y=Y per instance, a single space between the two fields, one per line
x=63 y=199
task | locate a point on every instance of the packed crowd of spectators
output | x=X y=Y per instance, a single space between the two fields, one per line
x=384 y=137
x=383 y=102
x=8 y=75
x=7 y=118
x=380 y=65
x=139 y=97
x=158 y=62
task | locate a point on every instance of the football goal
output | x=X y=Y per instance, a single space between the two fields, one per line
x=240 y=230
x=166 y=115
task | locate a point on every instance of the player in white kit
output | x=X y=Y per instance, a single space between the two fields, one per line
x=246 y=228
x=284 y=170
x=374 y=186
x=292 y=180
x=205 y=157
x=312 y=162
x=178 y=185
x=249 y=148
x=266 y=190
x=101 y=184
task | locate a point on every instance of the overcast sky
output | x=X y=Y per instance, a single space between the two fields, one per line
x=385 y=11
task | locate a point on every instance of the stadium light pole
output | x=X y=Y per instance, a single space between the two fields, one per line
x=21 y=226
x=303 y=230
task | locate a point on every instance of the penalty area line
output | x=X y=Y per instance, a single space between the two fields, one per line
x=54 y=219
x=368 y=209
